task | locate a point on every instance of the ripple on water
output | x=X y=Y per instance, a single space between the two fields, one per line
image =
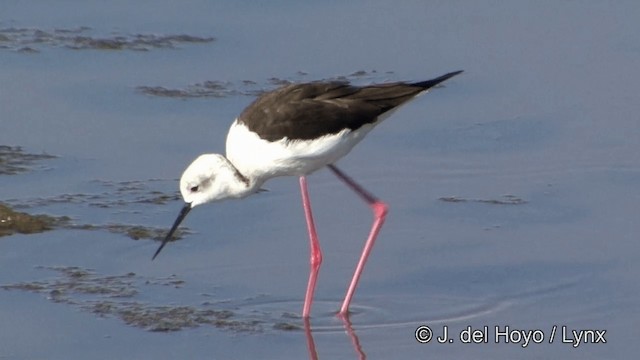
x=403 y=310
x=393 y=311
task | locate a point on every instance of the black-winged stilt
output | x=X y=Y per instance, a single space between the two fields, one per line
x=294 y=131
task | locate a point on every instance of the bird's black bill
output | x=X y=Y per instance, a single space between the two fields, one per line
x=183 y=213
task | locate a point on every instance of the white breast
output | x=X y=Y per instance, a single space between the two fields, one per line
x=260 y=159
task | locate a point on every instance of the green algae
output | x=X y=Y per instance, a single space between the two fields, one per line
x=14 y=160
x=114 y=296
x=12 y=222
x=34 y=40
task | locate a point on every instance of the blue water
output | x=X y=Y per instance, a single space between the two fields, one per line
x=545 y=112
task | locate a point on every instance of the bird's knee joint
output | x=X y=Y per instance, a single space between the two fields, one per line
x=380 y=209
x=315 y=260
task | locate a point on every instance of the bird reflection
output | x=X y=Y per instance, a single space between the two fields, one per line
x=348 y=327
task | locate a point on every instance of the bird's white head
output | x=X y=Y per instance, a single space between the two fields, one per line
x=211 y=177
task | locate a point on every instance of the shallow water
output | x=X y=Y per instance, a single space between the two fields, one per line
x=513 y=189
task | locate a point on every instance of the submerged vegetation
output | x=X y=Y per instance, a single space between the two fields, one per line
x=220 y=89
x=14 y=160
x=34 y=40
x=114 y=296
x=12 y=222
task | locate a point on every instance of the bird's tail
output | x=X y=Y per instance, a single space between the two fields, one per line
x=433 y=82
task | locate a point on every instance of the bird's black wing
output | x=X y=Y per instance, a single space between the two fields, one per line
x=311 y=110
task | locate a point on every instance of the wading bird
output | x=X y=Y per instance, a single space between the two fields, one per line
x=294 y=131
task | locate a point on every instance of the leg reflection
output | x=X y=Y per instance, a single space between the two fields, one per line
x=346 y=322
x=355 y=341
x=311 y=345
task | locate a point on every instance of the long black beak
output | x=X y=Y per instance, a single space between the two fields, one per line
x=183 y=213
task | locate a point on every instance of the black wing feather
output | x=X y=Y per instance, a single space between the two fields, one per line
x=311 y=110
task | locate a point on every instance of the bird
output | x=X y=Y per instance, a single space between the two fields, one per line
x=293 y=131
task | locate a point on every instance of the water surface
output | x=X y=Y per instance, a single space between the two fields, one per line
x=513 y=189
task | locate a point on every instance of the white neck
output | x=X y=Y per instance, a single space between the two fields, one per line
x=240 y=185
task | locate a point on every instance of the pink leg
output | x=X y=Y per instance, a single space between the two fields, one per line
x=379 y=213
x=316 y=253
